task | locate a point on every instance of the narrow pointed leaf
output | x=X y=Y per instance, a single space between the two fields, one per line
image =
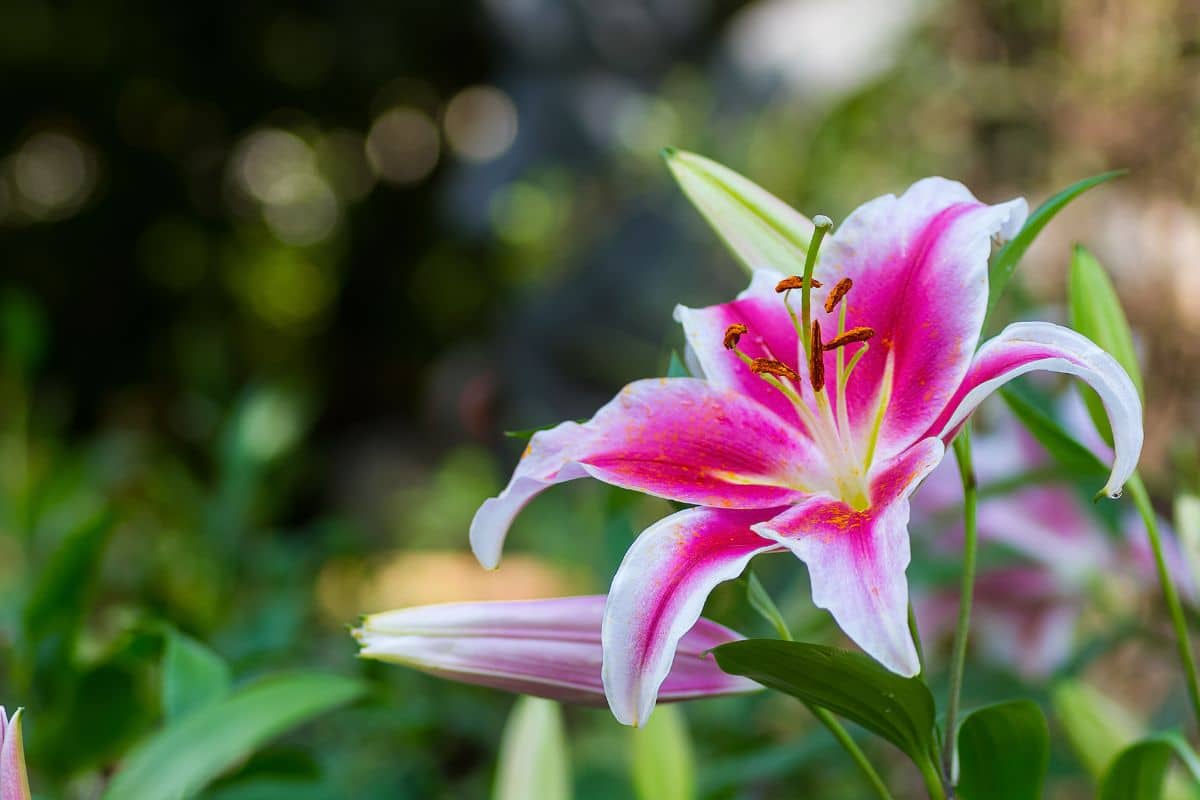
x=1069 y=453
x=1003 y=752
x=760 y=600
x=1005 y=261
x=533 y=753
x=193 y=676
x=1096 y=313
x=676 y=368
x=760 y=229
x=189 y=753
x=1096 y=727
x=663 y=766
x=852 y=685
x=1140 y=771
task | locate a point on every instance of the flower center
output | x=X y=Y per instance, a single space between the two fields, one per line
x=825 y=416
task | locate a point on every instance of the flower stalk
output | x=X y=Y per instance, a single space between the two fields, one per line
x=1141 y=499
x=962 y=452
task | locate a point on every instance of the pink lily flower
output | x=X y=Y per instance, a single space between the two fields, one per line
x=548 y=648
x=14 y=783
x=807 y=437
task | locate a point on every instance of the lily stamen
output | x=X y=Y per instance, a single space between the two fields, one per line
x=840 y=290
x=859 y=334
x=733 y=334
x=795 y=282
x=816 y=359
x=769 y=366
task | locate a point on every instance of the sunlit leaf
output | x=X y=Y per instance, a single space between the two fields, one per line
x=1140 y=771
x=663 y=766
x=192 y=751
x=1096 y=313
x=760 y=229
x=533 y=753
x=1097 y=728
x=1003 y=752
x=853 y=685
x=1005 y=261
x=193 y=676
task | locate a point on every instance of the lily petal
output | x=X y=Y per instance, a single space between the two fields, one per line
x=919 y=266
x=548 y=648
x=771 y=334
x=14 y=782
x=857 y=559
x=1027 y=346
x=678 y=438
x=658 y=593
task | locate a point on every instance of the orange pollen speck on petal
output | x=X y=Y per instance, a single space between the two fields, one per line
x=795 y=282
x=860 y=334
x=816 y=360
x=840 y=290
x=770 y=366
x=733 y=333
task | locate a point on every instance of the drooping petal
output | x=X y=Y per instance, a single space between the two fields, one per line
x=14 y=782
x=919 y=266
x=548 y=648
x=857 y=559
x=658 y=593
x=770 y=334
x=679 y=438
x=1027 y=346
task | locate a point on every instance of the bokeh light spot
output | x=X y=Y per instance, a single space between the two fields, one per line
x=481 y=123
x=402 y=146
x=54 y=174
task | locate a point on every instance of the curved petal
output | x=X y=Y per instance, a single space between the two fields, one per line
x=857 y=559
x=679 y=438
x=548 y=648
x=919 y=266
x=770 y=334
x=1027 y=346
x=658 y=593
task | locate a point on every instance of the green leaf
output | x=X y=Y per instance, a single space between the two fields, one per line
x=676 y=368
x=1003 y=752
x=1005 y=262
x=760 y=229
x=1096 y=313
x=190 y=752
x=853 y=685
x=193 y=676
x=1073 y=456
x=1096 y=727
x=533 y=753
x=1139 y=772
x=663 y=765
x=760 y=600
x=528 y=433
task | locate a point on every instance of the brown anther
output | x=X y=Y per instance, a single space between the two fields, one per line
x=733 y=333
x=795 y=282
x=770 y=366
x=816 y=360
x=860 y=334
x=840 y=290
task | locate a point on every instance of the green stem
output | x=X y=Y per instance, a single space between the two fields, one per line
x=933 y=781
x=851 y=747
x=962 y=451
x=761 y=601
x=1141 y=499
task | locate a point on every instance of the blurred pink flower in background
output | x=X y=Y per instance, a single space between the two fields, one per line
x=1027 y=609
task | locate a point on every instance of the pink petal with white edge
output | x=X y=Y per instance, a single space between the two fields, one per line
x=771 y=334
x=857 y=559
x=919 y=266
x=14 y=783
x=678 y=438
x=1027 y=346
x=547 y=648
x=658 y=593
